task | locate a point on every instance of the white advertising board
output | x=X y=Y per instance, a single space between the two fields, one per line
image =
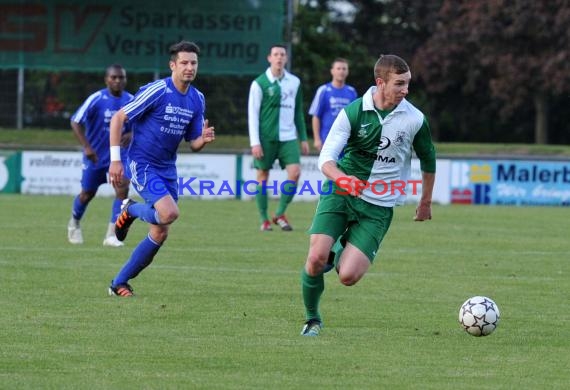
x=54 y=173
x=206 y=176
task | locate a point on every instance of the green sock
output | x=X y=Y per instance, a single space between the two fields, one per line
x=312 y=287
x=287 y=196
x=261 y=200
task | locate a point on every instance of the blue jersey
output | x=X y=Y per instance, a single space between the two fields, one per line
x=328 y=102
x=161 y=117
x=95 y=116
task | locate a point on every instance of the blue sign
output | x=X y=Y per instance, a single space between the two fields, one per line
x=510 y=182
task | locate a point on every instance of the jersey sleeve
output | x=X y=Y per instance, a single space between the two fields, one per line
x=300 y=115
x=145 y=98
x=424 y=148
x=316 y=108
x=336 y=140
x=253 y=107
x=80 y=116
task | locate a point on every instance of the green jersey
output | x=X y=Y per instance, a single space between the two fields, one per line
x=275 y=109
x=378 y=148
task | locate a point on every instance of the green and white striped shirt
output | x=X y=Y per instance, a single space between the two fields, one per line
x=275 y=109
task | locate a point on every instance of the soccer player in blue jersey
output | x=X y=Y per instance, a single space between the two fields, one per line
x=329 y=99
x=378 y=133
x=90 y=124
x=163 y=113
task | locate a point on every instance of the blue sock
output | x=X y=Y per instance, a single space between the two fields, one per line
x=116 y=210
x=140 y=259
x=145 y=212
x=78 y=208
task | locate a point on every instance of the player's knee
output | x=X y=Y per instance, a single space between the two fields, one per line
x=295 y=174
x=315 y=263
x=348 y=279
x=169 y=216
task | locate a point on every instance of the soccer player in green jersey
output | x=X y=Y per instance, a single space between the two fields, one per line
x=276 y=121
x=380 y=131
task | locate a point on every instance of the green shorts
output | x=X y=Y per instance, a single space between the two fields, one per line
x=352 y=220
x=287 y=153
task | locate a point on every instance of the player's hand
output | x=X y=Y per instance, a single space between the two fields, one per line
x=305 y=148
x=208 y=133
x=423 y=213
x=90 y=154
x=116 y=173
x=257 y=152
x=351 y=185
x=318 y=144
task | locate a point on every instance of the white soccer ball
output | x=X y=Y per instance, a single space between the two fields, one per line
x=479 y=316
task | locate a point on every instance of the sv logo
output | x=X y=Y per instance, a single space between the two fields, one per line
x=28 y=27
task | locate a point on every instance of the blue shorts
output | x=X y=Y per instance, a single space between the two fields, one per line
x=150 y=185
x=92 y=177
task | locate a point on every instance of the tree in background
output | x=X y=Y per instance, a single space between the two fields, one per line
x=517 y=52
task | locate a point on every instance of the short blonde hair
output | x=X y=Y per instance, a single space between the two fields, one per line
x=389 y=63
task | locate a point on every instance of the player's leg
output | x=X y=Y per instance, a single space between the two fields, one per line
x=353 y=265
x=121 y=193
x=261 y=199
x=263 y=167
x=290 y=159
x=164 y=212
x=328 y=224
x=152 y=188
x=363 y=239
x=91 y=179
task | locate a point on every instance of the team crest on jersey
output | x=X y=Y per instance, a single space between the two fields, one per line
x=400 y=137
x=363 y=132
x=271 y=91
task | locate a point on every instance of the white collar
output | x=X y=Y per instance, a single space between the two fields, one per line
x=368 y=102
x=273 y=78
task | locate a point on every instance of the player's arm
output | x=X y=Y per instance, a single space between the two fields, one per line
x=79 y=132
x=316 y=124
x=253 y=109
x=425 y=150
x=208 y=135
x=300 y=121
x=116 y=169
x=315 y=110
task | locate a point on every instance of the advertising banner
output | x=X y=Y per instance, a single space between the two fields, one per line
x=200 y=176
x=510 y=182
x=309 y=188
x=312 y=181
x=234 y=35
x=54 y=173
x=10 y=172
x=206 y=176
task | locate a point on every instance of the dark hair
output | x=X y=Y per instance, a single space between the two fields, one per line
x=183 y=46
x=277 y=45
x=113 y=67
x=389 y=63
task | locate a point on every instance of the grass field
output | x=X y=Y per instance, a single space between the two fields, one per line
x=220 y=308
x=64 y=139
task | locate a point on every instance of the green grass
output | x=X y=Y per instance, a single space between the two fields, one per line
x=64 y=139
x=220 y=308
